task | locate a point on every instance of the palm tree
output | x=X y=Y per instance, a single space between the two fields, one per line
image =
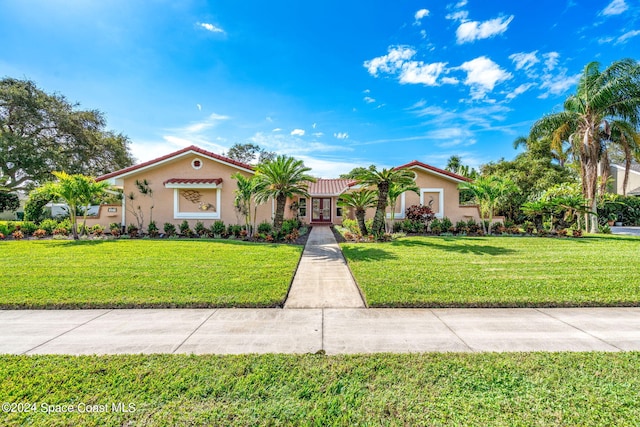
x=627 y=138
x=360 y=201
x=487 y=192
x=383 y=180
x=244 y=199
x=453 y=164
x=613 y=94
x=395 y=190
x=281 y=178
x=77 y=191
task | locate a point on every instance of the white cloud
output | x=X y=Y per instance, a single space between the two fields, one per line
x=209 y=122
x=341 y=135
x=297 y=132
x=524 y=60
x=417 y=72
x=391 y=62
x=626 y=36
x=199 y=107
x=470 y=31
x=369 y=100
x=519 y=90
x=317 y=134
x=450 y=81
x=397 y=61
x=616 y=7
x=558 y=84
x=313 y=126
x=366 y=91
x=551 y=60
x=210 y=27
x=277 y=130
x=460 y=15
x=419 y=15
x=482 y=76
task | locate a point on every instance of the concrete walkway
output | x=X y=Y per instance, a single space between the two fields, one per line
x=323 y=279
x=336 y=331
x=629 y=231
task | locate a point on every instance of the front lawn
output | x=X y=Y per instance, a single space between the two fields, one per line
x=144 y=273
x=498 y=271
x=515 y=389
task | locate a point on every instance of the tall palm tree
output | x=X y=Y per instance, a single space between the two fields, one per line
x=244 y=198
x=383 y=180
x=281 y=178
x=487 y=192
x=360 y=201
x=601 y=96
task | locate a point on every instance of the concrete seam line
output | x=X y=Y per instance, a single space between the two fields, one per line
x=322 y=334
x=452 y=331
x=66 y=332
x=194 y=331
x=581 y=330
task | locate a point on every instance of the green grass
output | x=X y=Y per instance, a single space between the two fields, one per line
x=514 y=389
x=498 y=271
x=144 y=273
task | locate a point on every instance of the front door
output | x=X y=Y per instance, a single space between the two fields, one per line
x=321 y=210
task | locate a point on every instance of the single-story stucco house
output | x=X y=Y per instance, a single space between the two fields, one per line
x=195 y=185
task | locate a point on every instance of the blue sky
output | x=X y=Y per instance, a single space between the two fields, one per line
x=338 y=84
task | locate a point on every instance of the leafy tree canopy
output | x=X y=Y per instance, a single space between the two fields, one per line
x=355 y=172
x=41 y=132
x=9 y=201
x=249 y=153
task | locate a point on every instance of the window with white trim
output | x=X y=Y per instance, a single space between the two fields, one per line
x=196 y=201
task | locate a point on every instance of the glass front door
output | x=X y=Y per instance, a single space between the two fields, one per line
x=321 y=210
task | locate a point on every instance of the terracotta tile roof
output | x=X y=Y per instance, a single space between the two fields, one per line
x=333 y=187
x=175 y=154
x=435 y=169
x=193 y=181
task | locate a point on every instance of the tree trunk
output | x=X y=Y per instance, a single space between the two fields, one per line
x=590 y=177
x=281 y=201
x=378 y=219
x=360 y=214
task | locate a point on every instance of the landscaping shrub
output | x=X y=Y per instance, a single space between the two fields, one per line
x=60 y=231
x=2 y=236
x=473 y=226
x=49 y=225
x=351 y=225
x=218 y=229
x=39 y=233
x=235 y=230
x=264 y=228
x=289 y=225
x=436 y=226
x=169 y=229
x=12 y=226
x=132 y=230
x=185 y=230
x=152 y=229
x=66 y=224
x=18 y=235
x=420 y=213
x=461 y=227
x=412 y=226
x=97 y=230
x=447 y=225
x=28 y=227
x=4 y=230
x=200 y=229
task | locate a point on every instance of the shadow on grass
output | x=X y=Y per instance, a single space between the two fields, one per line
x=457 y=245
x=231 y=242
x=366 y=253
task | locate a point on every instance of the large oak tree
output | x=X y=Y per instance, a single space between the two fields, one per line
x=42 y=132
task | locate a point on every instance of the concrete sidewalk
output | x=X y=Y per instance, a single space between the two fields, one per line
x=336 y=331
x=323 y=279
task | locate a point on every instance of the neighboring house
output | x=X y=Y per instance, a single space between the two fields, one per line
x=195 y=185
x=633 y=186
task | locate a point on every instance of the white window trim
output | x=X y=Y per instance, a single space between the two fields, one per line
x=440 y=213
x=193 y=215
x=399 y=215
